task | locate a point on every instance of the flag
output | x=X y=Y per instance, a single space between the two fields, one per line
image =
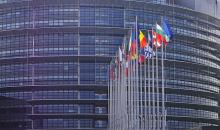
x=162 y=36
x=159 y=30
x=156 y=39
x=126 y=65
x=130 y=41
x=112 y=72
x=148 y=52
x=133 y=51
x=141 y=56
x=126 y=46
x=112 y=69
x=143 y=40
x=167 y=30
x=120 y=54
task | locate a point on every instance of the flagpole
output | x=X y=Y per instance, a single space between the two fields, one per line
x=115 y=94
x=153 y=90
x=115 y=97
x=141 y=97
x=123 y=91
x=129 y=87
x=149 y=96
x=145 y=96
x=119 y=98
x=112 y=101
x=109 y=80
x=137 y=79
x=163 y=89
x=129 y=96
x=111 y=98
x=132 y=93
x=157 y=91
x=128 y=92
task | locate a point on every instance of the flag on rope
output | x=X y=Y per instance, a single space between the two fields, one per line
x=156 y=39
x=120 y=55
x=141 y=56
x=161 y=35
x=148 y=52
x=143 y=40
x=112 y=72
x=167 y=30
x=133 y=51
x=159 y=30
x=112 y=69
x=126 y=65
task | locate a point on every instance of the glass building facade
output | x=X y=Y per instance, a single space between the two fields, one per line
x=54 y=57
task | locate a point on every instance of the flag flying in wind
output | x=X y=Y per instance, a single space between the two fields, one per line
x=157 y=39
x=167 y=30
x=120 y=54
x=159 y=30
x=162 y=35
x=130 y=42
x=143 y=40
x=133 y=51
x=141 y=56
x=148 y=52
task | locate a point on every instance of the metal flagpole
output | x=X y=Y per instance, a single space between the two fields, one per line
x=121 y=93
x=128 y=92
x=157 y=92
x=109 y=80
x=145 y=97
x=163 y=89
x=129 y=86
x=140 y=94
x=112 y=97
x=153 y=95
x=137 y=79
x=120 y=100
x=111 y=101
x=149 y=96
x=125 y=94
x=163 y=92
x=115 y=95
x=132 y=94
x=129 y=96
x=141 y=98
x=118 y=97
x=118 y=104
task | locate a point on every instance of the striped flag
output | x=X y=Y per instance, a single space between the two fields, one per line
x=148 y=52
